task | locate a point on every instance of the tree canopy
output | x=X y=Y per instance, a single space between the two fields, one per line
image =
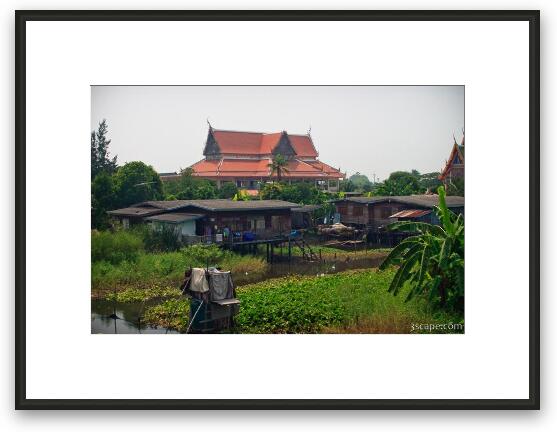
x=190 y=187
x=136 y=182
x=100 y=156
x=400 y=183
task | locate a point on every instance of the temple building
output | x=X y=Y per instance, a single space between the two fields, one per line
x=454 y=168
x=245 y=158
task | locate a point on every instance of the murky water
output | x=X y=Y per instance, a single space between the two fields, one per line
x=121 y=318
x=111 y=317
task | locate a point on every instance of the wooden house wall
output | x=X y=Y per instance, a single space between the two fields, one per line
x=258 y=221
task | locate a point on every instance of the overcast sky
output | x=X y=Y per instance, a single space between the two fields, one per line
x=359 y=129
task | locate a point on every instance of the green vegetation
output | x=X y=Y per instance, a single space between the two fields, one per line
x=167 y=268
x=190 y=187
x=115 y=248
x=171 y=314
x=278 y=166
x=163 y=239
x=329 y=253
x=100 y=157
x=136 y=182
x=398 y=183
x=132 y=295
x=456 y=187
x=431 y=262
x=355 y=301
x=300 y=193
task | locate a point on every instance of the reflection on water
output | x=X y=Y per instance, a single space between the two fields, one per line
x=122 y=318
x=125 y=318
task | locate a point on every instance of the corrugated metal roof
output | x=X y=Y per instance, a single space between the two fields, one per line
x=174 y=217
x=220 y=204
x=414 y=213
x=134 y=211
x=419 y=200
x=306 y=208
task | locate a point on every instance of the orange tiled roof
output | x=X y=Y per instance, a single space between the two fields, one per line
x=260 y=168
x=303 y=145
x=323 y=167
x=258 y=143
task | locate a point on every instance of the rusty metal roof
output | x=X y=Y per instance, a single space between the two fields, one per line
x=412 y=213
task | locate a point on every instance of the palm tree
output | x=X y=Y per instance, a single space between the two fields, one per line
x=432 y=261
x=278 y=165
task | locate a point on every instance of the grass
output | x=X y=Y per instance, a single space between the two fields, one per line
x=329 y=253
x=350 y=302
x=167 y=269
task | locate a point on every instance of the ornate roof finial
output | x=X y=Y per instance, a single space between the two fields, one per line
x=309 y=130
x=454 y=139
x=209 y=123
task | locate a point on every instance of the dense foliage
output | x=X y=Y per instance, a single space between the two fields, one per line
x=100 y=156
x=162 y=239
x=407 y=183
x=456 y=187
x=300 y=192
x=400 y=183
x=431 y=263
x=103 y=198
x=146 y=269
x=115 y=248
x=278 y=166
x=354 y=301
x=136 y=182
x=190 y=187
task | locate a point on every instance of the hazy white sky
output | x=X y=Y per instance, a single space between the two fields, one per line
x=366 y=129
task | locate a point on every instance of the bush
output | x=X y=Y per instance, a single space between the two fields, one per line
x=200 y=254
x=115 y=247
x=163 y=239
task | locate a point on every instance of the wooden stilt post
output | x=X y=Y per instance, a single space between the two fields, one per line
x=267 y=250
x=289 y=250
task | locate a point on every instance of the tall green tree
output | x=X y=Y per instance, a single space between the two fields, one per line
x=100 y=156
x=400 y=183
x=431 y=262
x=190 y=187
x=360 y=182
x=278 y=166
x=103 y=198
x=346 y=185
x=135 y=182
x=430 y=181
x=228 y=190
x=271 y=191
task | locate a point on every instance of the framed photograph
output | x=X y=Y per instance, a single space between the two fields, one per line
x=271 y=210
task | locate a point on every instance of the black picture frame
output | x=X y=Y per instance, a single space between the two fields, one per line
x=531 y=16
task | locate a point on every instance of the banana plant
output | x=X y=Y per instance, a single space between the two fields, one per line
x=431 y=262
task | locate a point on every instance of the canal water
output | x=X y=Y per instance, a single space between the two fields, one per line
x=111 y=317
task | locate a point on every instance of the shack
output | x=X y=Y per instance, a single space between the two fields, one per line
x=184 y=224
x=374 y=213
x=213 y=220
x=305 y=216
